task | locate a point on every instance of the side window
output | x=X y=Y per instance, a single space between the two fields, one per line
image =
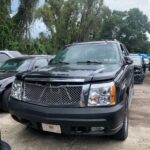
x=124 y=50
x=39 y=63
x=3 y=57
x=127 y=52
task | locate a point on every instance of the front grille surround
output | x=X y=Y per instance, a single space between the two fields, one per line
x=50 y=95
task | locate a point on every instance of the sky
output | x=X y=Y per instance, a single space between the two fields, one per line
x=122 y=5
x=38 y=26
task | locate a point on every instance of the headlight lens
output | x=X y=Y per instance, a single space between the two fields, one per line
x=16 y=91
x=102 y=95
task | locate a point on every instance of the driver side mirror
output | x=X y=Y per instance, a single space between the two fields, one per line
x=128 y=60
x=50 y=61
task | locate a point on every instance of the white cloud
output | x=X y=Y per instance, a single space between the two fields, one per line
x=122 y=5
x=37 y=27
x=41 y=3
x=148 y=35
x=14 y=7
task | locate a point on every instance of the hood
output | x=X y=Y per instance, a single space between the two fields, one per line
x=4 y=75
x=86 y=72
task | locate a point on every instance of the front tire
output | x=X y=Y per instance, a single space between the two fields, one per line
x=123 y=133
x=5 y=100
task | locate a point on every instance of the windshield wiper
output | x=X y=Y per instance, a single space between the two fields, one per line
x=7 y=70
x=62 y=62
x=90 y=62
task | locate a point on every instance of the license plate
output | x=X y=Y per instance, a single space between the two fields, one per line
x=51 y=128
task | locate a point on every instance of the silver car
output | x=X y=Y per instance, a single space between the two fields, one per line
x=6 y=55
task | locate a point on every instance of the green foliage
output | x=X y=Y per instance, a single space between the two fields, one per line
x=128 y=27
x=71 y=21
x=5 y=25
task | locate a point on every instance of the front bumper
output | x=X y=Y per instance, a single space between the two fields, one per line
x=71 y=120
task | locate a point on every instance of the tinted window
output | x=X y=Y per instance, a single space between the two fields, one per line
x=16 y=65
x=105 y=53
x=124 y=50
x=39 y=63
x=3 y=57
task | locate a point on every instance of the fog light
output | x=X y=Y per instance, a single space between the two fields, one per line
x=96 y=129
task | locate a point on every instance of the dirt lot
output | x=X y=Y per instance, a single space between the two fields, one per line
x=21 y=138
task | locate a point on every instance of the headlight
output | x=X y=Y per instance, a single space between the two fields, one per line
x=16 y=91
x=102 y=95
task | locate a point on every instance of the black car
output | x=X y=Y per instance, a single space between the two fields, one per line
x=10 y=68
x=87 y=89
x=138 y=69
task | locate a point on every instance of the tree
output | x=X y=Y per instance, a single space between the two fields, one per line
x=91 y=19
x=22 y=22
x=5 y=25
x=129 y=27
x=71 y=21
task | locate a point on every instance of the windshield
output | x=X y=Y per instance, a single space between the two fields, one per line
x=16 y=65
x=137 y=61
x=88 y=53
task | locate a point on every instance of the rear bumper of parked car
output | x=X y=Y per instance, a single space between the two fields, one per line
x=138 y=78
x=94 y=121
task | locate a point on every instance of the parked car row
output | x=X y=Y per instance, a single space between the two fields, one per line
x=11 y=67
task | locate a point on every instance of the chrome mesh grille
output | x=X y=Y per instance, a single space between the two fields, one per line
x=52 y=95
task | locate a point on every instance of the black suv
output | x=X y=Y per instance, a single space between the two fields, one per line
x=87 y=89
x=138 y=68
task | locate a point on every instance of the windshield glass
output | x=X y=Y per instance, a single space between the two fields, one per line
x=88 y=53
x=137 y=61
x=16 y=65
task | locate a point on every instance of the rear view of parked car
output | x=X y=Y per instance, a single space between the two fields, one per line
x=147 y=62
x=138 y=69
x=13 y=66
x=6 y=55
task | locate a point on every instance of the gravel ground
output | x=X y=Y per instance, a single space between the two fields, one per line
x=21 y=138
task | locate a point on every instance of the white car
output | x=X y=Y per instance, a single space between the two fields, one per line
x=6 y=55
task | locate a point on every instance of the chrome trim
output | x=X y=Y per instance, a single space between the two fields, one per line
x=54 y=80
x=81 y=102
x=99 y=70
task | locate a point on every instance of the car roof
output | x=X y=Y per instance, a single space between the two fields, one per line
x=97 y=42
x=28 y=57
x=12 y=54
